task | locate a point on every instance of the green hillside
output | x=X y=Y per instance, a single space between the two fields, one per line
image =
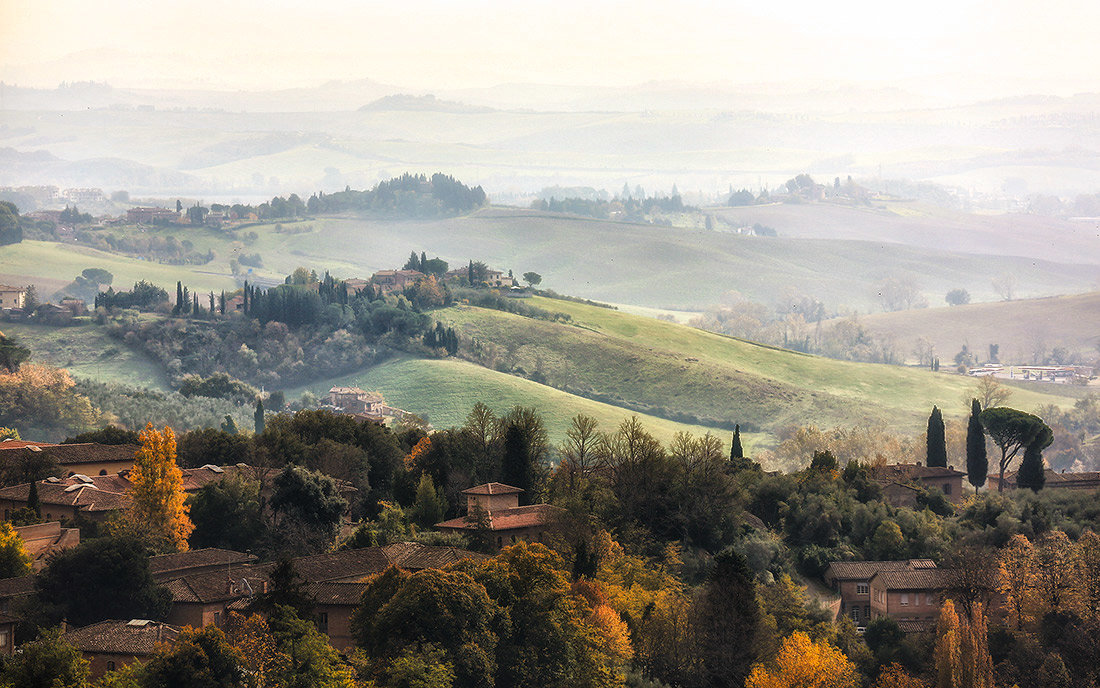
x=674 y=369
x=444 y=390
x=1021 y=328
x=88 y=352
x=48 y=261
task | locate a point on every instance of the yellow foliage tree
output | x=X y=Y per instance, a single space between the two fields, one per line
x=41 y=400
x=157 y=505
x=948 y=648
x=418 y=450
x=977 y=664
x=1088 y=554
x=1016 y=574
x=263 y=661
x=894 y=676
x=14 y=558
x=807 y=664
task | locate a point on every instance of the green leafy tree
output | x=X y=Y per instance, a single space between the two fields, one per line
x=48 y=662
x=313 y=663
x=12 y=355
x=977 y=463
x=34 y=502
x=226 y=514
x=108 y=434
x=286 y=590
x=430 y=504
x=229 y=426
x=116 y=568
x=525 y=448
x=200 y=658
x=1011 y=430
x=308 y=502
x=532 y=278
x=888 y=543
x=936 y=439
x=421 y=666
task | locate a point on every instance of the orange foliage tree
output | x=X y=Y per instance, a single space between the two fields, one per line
x=807 y=664
x=157 y=505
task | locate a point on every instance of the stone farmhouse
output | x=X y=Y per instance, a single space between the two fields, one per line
x=11 y=297
x=353 y=400
x=908 y=591
x=389 y=281
x=902 y=482
x=495 y=506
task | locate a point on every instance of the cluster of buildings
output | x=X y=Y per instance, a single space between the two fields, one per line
x=391 y=281
x=365 y=405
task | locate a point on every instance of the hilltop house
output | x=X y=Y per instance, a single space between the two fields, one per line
x=496 y=278
x=395 y=280
x=1085 y=480
x=495 y=507
x=151 y=215
x=353 y=400
x=869 y=589
x=902 y=482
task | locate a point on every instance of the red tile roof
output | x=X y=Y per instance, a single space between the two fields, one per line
x=921 y=579
x=167 y=564
x=72 y=455
x=492 y=489
x=511 y=519
x=19 y=444
x=336 y=593
x=865 y=570
x=136 y=637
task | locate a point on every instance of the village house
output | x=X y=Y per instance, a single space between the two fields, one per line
x=45 y=539
x=196 y=561
x=12 y=297
x=852 y=580
x=395 y=280
x=495 y=507
x=496 y=278
x=1087 y=481
x=916 y=475
x=911 y=596
x=151 y=215
x=111 y=645
x=88 y=458
x=204 y=599
x=13 y=591
x=353 y=400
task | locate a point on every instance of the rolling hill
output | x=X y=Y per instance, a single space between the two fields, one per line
x=1021 y=328
x=673 y=370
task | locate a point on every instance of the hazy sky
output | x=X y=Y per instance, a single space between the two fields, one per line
x=434 y=44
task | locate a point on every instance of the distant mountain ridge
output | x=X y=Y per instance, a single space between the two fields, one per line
x=426 y=103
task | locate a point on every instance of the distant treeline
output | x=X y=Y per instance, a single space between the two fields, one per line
x=637 y=210
x=409 y=195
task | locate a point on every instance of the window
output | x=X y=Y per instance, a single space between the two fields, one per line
x=916 y=600
x=322 y=622
x=217 y=618
x=103 y=471
x=867 y=611
x=3 y=638
x=947 y=488
x=110 y=666
x=500 y=542
x=905 y=599
x=862 y=588
x=855 y=614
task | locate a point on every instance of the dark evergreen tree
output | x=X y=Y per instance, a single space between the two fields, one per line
x=221 y=303
x=977 y=463
x=34 y=503
x=470 y=273
x=178 y=307
x=725 y=610
x=736 y=451
x=1031 y=474
x=258 y=416
x=516 y=467
x=936 y=439
x=423 y=261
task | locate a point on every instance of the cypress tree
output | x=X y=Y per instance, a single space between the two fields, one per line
x=937 y=441
x=178 y=308
x=258 y=416
x=977 y=463
x=221 y=303
x=423 y=260
x=1031 y=473
x=736 y=451
x=470 y=273
x=33 y=501
x=516 y=466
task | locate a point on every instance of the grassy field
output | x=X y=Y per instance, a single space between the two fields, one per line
x=682 y=369
x=445 y=390
x=1021 y=328
x=45 y=262
x=642 y=265
x=87 y=351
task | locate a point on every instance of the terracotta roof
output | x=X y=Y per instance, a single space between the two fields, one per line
x=904 y=472
x=492 y=489
x=343 y=564
x=16 y=587
x=164 y=564
x=10 y=443
x=336 y=593
x=511 y=519
x=216 y=586
x=1084 y=480
x=76 y=454
x=83 y=496
x=414 y=556
x=916 y=626
x=135 y=637
x=920 y=579
x=865 y=570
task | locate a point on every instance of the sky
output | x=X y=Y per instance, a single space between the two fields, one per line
x=431 y=44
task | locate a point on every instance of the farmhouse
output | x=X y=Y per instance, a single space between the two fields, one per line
x=496 y=278
x=852 y=580
x=495 y=507
x=395 y=280
x=1088 y=481
x=354 y=400
x=11 y=297
x=151 y=215
x=947 y=480
x=910 y=596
